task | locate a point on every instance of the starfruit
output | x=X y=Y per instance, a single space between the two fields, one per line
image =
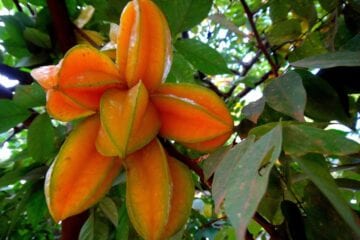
x=148 y=190
x=192 y=115
x=79 y=176
x=74 y=86
x=181 y=198
x=128 y=119
x=144 y=45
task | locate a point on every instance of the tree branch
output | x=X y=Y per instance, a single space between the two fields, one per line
x=244 y=92
x=15 y=74
x=187 y=161
x=18 y=6
x=259 y=41
x=269 y=228
x=62 y=25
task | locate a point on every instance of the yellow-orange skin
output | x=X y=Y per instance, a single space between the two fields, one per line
x=79 y=176
x=128 y=119
x=148 y=190
x=144 y=45
x=74 y=90
x=181 y=198
x=192 y=115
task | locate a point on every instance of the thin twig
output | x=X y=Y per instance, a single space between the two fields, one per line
x=244 y=92
x=259 y=41
x=18 y=6
x=86 y=36
x=269 y=228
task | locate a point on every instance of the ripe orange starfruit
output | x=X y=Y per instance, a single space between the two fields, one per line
x=144 y=45
x=79 y=176
x=128 y=119
x=181 y=198
x=74 y=90
x=192 y=115
x=148 y=190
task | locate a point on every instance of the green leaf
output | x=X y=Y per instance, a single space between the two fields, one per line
x=122 y=231
x=329 y=60
x=312 y=45
x=11 y=114
x=269 y=206
x=301 y=139
x=284 y=31
x=202 y=57
x=184 y=14
x=8 y=4
x=41 y=139
x=279 y=10
x=253 y=110
x=316 y=168
x=211 y=163
x=323 y=102
x=222 y=175
x=305 y=9
x=249 y=179
x=37 y=37
x=322 y=220
x=226 y=233
x=94 y=229
x=181 y=70
x=353 y=44
x=108 y=207
x=29 y=96
x=287 y=95
x=329 y=5
x=36 y=208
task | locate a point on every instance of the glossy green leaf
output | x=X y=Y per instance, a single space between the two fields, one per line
x=41 y=139
x=29 y=96
x=330 y=60
x=312 y=45
x=329 y=5
x=305 y=9
x=225 y=167
x=323 y=102
x=202 y=57
x=279 y=10
x=11 y=114
x=37 y=37
x=108 y=207
x=184 y=14
x=36 y=208
x=319 y=210
x=284 y=31
x=122 y=231
x=249 y=179
x=317 y=170
x=181 y=70
x=253 y=110
x=287 y=95
x=301 y=139
x=212 y=162
x=94 y=229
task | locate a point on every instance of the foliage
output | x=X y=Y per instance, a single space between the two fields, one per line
x=289 y=171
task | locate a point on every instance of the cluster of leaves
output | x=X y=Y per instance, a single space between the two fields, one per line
x=290 y=176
